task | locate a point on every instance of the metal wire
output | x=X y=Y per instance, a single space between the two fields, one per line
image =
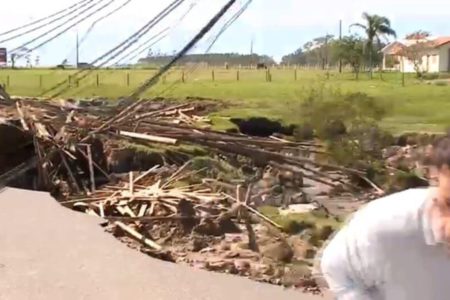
x=44 y=18
x=93 y=24
x=46 y=24
x=154 y=79
x=227 y=25
x=63 y=31
x=125 y=44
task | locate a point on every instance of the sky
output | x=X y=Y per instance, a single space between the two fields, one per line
x=277 y=27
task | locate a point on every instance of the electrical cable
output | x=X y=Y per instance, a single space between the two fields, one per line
x=43 y=19
x=150 y=41
x=125 y=44
x=93 y=24
x=66 y=29
x=91 y=27
x=46 y=24
x=213 y=39
x=170 y=29
x=151 y=81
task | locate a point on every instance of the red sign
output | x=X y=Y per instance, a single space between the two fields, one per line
x=3 y=56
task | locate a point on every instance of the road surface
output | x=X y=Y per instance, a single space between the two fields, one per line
x=49 y=252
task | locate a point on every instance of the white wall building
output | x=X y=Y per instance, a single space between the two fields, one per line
x=435 y=59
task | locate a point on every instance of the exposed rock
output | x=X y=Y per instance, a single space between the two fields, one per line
x=278 y=251
x=295 y=274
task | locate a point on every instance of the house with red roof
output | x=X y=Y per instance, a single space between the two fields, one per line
x=434 y=54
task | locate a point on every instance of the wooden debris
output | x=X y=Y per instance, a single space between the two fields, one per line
x=137 y=236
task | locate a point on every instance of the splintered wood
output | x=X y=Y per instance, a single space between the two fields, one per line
x=170 y=200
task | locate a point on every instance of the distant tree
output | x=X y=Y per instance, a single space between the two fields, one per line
x=416 y=54
x=351 y=51
x=375 y=27
x=418 y=35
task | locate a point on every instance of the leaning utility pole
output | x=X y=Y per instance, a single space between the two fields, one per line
x=77 y=63
x=340 y=39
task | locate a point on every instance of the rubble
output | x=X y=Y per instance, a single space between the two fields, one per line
x=171 y=209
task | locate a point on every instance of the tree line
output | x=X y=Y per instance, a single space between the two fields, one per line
x=213 y=59
x=355 y=50
x=360 y=50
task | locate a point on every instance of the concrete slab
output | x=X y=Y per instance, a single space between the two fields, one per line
x=49 y=252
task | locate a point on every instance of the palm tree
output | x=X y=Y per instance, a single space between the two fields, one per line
x=375 y=27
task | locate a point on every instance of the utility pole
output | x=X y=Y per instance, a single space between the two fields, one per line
x=77 y=63
x=340 y=39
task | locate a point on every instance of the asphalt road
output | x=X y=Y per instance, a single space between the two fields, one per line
x=49 y=252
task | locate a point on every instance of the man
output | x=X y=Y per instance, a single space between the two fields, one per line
x=397 y=247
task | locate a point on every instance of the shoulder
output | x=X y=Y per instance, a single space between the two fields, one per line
x=396 y=214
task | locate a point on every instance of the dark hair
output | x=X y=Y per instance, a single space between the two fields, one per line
x=440 y=155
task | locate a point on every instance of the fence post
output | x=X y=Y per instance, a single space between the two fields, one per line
x=97 y=80
x=295 y=74
x=213 y=76
x=403 y=79
x=69 y=80
x=7 y=81
x=182 y=77
x=128 y=79
x=237 y=75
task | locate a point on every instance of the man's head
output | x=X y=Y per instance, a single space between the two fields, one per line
x=440 y=162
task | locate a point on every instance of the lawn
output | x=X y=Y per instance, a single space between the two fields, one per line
x=417 y=106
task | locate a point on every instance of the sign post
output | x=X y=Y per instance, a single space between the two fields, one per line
x=3 y=57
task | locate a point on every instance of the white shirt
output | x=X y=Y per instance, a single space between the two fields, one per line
x=389 y=250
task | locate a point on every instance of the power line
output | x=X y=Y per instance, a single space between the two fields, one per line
x=150 y=82
x=93 y=24
x=46 y=24
x=84 y=37
x=229 y=23
x=145 y=44
x=211 y=41
x=150 y=41
x=65 y=30
x=125 y=44
x=43 y=19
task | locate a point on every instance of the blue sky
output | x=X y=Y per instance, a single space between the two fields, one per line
x=277 y=26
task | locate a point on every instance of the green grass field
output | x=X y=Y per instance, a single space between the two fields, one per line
x=417 y=106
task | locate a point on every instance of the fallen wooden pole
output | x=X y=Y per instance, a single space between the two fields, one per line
x=137 y=236
x=147 y=137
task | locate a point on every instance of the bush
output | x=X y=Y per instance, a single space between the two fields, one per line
x=441 y=83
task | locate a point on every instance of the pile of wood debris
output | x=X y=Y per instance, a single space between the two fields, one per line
x=208 y=222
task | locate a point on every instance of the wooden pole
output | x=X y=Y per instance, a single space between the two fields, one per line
x=213 y=76
x=8 y=81
x=237 y=75
x=91 y=168
x=98 y=80
x=295 y=74
x=182 y=77
x=128 y=79
x=137 y=236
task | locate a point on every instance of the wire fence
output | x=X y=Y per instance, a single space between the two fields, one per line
x=40 y=79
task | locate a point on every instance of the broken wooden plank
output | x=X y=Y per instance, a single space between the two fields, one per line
x=148 y=137
x=137 y=236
